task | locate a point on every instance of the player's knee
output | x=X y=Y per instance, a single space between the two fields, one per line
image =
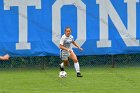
x=75 y=60
x=66 y=62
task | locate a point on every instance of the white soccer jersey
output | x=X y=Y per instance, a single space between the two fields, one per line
x=66 y=41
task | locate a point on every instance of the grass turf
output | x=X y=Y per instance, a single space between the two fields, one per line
x=95 y=80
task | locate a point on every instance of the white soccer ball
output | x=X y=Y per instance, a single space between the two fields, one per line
x=62 y=74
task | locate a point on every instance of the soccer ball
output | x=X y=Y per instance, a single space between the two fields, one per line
x=62 y=74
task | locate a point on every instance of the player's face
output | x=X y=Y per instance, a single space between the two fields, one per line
x=67 y=32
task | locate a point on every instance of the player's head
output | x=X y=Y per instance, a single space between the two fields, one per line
x=67 y=31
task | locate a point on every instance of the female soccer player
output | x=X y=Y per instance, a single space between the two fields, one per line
x=67 y=52
x=5 y=57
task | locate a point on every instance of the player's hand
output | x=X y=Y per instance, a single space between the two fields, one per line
x=69 y=50
x=5 y=57
x=81 y=49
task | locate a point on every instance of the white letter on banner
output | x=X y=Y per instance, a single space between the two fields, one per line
x=81 y=21
x=128 y=36
x=23 y=23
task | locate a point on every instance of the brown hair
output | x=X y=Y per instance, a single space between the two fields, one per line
x=67 y=28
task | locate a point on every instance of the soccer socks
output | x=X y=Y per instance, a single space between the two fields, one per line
x=77 y=68
x=62 y=66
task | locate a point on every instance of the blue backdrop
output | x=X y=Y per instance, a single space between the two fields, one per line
x=40 y=32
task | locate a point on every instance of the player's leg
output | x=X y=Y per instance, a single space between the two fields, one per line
x=64 y=59
x=63 y=64
x=66 y=62
x=76 y=64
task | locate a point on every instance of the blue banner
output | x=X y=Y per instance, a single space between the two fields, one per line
x=34 y=27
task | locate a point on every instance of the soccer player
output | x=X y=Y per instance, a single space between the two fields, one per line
x=67 y=52
x=5 y=57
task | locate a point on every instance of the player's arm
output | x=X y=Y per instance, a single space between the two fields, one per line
x=1 y=58
x=63 y=48
x=74 y=43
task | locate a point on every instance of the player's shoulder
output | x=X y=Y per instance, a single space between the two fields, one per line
x=63 y=36
x=71 y=36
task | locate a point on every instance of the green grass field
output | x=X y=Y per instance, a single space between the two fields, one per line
x=95 y=80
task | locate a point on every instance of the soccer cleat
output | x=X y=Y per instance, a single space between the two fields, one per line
x=79 y=75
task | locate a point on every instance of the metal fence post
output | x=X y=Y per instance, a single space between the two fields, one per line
x=113 y=62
